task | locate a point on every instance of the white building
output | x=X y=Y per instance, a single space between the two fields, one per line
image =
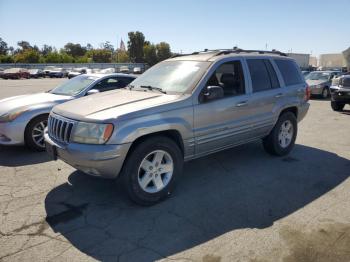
x=301 y=59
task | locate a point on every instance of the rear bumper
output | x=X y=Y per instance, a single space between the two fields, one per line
x=302 y=111
x=12 y=133
x=316 y=90
x=96 y=160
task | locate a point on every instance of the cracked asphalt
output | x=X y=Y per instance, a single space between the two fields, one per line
x=236 y=205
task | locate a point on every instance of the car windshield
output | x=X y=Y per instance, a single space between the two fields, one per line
x=172 y=76
x=73 y=86
x=318 y=76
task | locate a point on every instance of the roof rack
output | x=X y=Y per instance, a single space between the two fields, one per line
x=234 y=50
x=238 y=50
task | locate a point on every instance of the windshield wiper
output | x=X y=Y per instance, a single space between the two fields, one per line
x=154 y=88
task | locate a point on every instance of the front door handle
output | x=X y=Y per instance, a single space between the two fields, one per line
x=242 y=103
x=279 y=95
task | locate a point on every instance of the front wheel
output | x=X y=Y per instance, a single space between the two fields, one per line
x=281 y=139
x=151 y=170
x=34 y=133
x=336 y=106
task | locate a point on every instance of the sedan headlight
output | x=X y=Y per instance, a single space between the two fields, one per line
x=12 y=115
x=90 y=133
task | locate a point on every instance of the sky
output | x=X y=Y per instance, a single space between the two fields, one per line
x=312 y=26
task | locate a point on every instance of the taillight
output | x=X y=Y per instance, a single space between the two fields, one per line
x=307 y=93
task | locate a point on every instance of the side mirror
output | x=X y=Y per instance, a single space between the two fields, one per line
x=213 y=92
x=92 y=92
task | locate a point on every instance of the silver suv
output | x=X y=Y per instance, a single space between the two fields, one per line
x=180 y=109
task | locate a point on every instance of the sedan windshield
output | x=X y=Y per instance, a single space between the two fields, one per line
x=172 y=76
x=317 y=76
x=73 y=86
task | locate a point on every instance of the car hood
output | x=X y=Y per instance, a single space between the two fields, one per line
x=110 y=105
x=24 y=101
x=315 y=82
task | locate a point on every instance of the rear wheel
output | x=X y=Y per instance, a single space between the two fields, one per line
x=336 y=106
x=34 y=133
x=325 y=92
x=151 y=170
x=281 y=139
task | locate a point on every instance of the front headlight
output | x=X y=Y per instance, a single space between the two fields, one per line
x=90 y=133
x=319 y=86
x=9 y=117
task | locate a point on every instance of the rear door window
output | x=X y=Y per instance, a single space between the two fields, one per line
x=289 y=71
x=262 y=74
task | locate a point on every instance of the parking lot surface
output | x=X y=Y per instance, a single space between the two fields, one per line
x=237 y=205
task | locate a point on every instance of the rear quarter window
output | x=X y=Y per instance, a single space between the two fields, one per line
x=289 y=71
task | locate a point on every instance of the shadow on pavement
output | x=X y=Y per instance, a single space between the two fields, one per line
x=13 y=156
x=234 y=189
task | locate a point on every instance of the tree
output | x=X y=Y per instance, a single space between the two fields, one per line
x=121 y=56
x=3 y=47
x=107 y=45
x=150 y=54
x=24 y=45
x=27 y=56
x=46 y=49
x=135 y=46
x=100 y=55
x=89 y=47
x=6 y=59
x=53 y=57
x=74 y=50
x=163 y=51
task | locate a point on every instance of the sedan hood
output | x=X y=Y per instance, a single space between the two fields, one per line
x=14 y=102
x=109 y=105
x=315 y=82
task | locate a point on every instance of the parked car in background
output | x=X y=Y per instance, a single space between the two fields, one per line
x=320 y=82
x=76 y=71
x=15 y=73
x=124 y=69
x=340 y=92
x=305 y=73
x=180 y=109
x=36 y=73
x=58 y=73
x=107 y=70
x=1 y=71
x=137 y=70
x=48 y=69
x=24 y=118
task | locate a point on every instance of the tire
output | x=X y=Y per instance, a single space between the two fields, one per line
x=33 y=133
x=134 y=173
x=325 y=93
x=336 y=106
x=274 y=142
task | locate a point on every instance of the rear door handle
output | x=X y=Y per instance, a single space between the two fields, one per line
x=242 y=103
x=279 y=95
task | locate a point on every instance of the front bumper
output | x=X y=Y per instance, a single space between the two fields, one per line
x=341 y=95
x=12 y=133
x=96 y=160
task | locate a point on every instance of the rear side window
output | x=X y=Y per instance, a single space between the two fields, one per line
x=262 y=74
x=289 y=71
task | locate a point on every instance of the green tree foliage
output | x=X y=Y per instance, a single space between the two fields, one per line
x=6 y=59
x=46 y=49
x=27 y=56
x=100 y=55
x=3 y=47
x=121 y=57
x=24 y=45
x=163 y=51
x=74 y=50
x=135 y=46
x=150 y=54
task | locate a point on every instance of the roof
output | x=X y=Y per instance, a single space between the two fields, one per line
x=213 y=55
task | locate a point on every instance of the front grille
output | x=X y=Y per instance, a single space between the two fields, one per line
x=60 y=128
